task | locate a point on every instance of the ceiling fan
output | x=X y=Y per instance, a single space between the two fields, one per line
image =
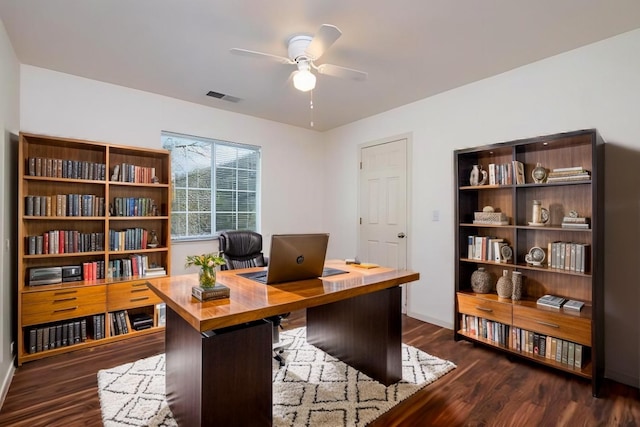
x=303 y=51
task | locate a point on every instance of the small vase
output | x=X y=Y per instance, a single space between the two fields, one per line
x=481 y=281
x=474 y=178
x=504 y=287
x=516 y=280
x=207 y=277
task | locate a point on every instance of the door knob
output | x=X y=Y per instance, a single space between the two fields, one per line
x=401 y=235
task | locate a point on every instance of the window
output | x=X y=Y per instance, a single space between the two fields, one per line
x=214 y=185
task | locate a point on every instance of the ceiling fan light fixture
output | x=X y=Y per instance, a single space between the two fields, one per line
x=303 y=79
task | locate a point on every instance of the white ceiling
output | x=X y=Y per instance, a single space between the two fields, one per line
x=411 y=49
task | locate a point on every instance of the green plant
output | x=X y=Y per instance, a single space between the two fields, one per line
x=206 y=261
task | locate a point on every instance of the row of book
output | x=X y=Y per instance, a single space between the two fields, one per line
x=129 y=239
x=574 y=173
x=528 y=342
x=488 y=329
x=56 y=335
x=131 y=173
x=65 y=205
x=64 y=242
x=70 y=332
x=135 y=265
x=119 y=321
x=569 y=256
x=93 y=270
x=552 y=348
x=506 y=173
x=485 y=248
x=134 y=206
x=72 y=169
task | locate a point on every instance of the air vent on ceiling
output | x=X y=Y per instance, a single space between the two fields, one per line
x=222 y=96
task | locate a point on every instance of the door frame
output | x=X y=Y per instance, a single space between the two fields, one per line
x=409 y=137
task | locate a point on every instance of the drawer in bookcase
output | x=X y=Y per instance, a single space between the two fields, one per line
x=62 y=304
x=121 y=296
x=556 y=324
x=485 y=308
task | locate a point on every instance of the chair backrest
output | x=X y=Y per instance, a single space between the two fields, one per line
x=241 y=249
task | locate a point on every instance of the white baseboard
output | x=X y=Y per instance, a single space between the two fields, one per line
x=6 y=382
x=431 y=320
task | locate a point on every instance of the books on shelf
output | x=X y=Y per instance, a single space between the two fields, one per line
x=573 y=173
x=569 y=256
x=573 y=305
x=518 y=172
x=485 y=248
x=551 y=348
x=65 y=168
x=56 y=335
x=155 y=272
x=500 y=174
x=478 y=327
x=551 y=301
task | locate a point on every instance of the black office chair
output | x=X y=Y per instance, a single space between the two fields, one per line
x=243 y=249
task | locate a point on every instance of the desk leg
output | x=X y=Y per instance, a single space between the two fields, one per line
x=364 y=332
x=221 y=377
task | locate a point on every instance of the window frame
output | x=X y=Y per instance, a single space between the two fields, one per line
x=213 y=208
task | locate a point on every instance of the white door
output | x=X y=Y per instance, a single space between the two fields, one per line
x=383 y=204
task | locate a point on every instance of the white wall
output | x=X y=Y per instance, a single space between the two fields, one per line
x=9 y=108
x=59 y=104
x=597 y=86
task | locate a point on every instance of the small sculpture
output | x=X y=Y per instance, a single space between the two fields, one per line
x=539 y=174
x=535 y=256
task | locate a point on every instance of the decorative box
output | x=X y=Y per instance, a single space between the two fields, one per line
x=491 y=218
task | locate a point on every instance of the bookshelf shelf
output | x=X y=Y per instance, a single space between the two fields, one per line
x=583 y=329
x=67 y=175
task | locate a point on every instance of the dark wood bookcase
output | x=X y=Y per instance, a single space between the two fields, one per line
x=71 y=182
x=584 y=148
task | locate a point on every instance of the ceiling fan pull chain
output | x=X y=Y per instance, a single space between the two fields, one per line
x=311 y=108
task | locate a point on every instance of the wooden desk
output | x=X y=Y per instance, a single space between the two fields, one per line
x=218 y=353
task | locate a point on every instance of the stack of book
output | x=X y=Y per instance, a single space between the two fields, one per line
x=155 y=272
x=551 y=301
x=574 y=173
x=575 y=222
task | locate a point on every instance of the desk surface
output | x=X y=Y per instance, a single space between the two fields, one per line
x=251 y=300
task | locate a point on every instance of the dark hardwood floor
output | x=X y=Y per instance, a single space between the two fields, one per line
x=486 y=388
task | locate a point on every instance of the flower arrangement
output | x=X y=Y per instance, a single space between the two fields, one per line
x=207 y=263
x=210 y=260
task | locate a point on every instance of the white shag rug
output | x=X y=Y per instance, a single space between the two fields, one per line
x=312 y=389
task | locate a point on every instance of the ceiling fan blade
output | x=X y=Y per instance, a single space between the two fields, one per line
x=254 y=54
x=324 y=38
x=342 y=72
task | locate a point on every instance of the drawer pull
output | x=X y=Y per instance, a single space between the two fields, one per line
x=552 y=325
x=140 y=284
x=139 y=299
x=65 y=292
x=488 y=310
x=139 y=290
x=66 y=309
x=65 y=299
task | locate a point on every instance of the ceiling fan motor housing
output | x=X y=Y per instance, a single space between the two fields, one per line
x=297 y=47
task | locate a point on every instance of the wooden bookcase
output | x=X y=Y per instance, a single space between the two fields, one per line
x=583 y=148
x=71 y=182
